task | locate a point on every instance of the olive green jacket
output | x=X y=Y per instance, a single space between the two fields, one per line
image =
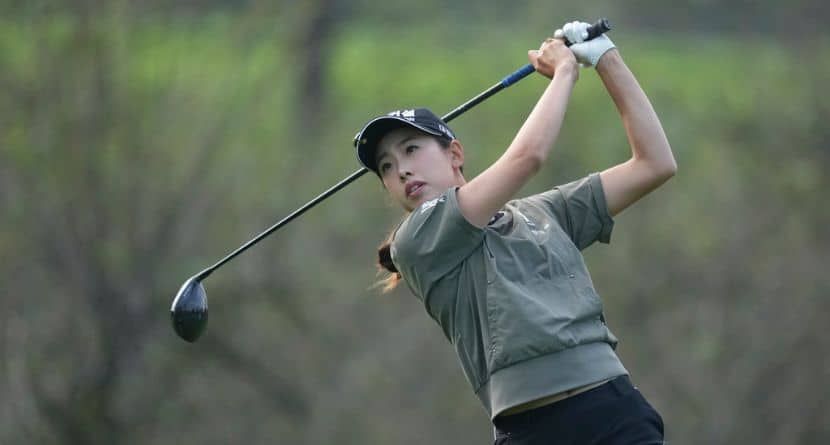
x=515 y=297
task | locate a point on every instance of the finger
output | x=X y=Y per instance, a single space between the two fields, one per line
x=583 y=30
x=547 y=43
x=575 y=34
x=559 y=34
x=532 y=55
x=576 y=30
x=569 y=32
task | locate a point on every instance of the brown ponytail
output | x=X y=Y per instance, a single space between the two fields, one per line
x=385 y=265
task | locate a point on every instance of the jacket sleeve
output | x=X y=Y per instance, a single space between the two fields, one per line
x=580 y=209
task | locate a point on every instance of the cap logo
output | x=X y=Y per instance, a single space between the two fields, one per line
x=406 y=114
x=446 y=131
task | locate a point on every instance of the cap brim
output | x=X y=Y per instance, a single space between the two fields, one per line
x=367 y=140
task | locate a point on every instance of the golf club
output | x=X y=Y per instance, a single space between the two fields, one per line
x=189 y=311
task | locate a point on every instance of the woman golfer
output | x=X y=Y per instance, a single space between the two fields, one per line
x=504 y=278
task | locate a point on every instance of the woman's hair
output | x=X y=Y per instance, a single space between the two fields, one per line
x=385 y=264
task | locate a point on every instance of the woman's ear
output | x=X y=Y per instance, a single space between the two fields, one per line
x=456 y=154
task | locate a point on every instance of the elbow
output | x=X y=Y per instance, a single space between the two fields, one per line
x=664 y=167
x=662 y=173
x=659 y=171
x=669 y=169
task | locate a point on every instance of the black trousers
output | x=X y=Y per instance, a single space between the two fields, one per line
x=611 y=414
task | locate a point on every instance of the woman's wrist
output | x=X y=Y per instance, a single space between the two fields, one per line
x=567 y=70
x=609 y=61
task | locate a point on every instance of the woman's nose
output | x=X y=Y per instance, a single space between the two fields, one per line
x=404 y=171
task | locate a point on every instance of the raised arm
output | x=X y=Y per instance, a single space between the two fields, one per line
x=651 y=163
x=485 y=194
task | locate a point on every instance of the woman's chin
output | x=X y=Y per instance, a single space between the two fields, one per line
x=415 y=200
x=414 y=203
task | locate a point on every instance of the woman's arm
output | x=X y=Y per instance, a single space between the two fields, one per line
x=485 y=194
x=652 y=162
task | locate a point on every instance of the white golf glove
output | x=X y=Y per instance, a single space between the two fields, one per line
x=587 y=53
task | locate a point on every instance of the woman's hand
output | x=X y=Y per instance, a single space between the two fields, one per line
x=552 y=57
x=588 y=53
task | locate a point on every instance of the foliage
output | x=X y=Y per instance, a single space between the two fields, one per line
x=135 y=151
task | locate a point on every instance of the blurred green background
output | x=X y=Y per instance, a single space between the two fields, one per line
x=142 y=141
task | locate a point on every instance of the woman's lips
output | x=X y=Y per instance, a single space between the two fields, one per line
x=413 y=188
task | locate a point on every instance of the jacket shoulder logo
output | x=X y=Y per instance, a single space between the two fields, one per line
x=432 y=203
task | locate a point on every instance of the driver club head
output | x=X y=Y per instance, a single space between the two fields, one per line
x=189 y=312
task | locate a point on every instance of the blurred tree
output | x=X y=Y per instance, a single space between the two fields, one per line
x=141 y=140
x=94 y=218
x=314 y=49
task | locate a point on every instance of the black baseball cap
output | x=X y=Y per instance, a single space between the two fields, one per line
x=367 y=139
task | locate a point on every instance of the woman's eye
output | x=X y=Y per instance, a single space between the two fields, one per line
x=411 y=148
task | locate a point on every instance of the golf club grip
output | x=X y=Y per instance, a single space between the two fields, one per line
x=599 y=28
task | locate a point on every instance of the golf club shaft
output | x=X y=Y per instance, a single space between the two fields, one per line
x=334 y=189
x=597 y=29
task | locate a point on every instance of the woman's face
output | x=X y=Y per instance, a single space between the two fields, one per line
x=415 y=168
